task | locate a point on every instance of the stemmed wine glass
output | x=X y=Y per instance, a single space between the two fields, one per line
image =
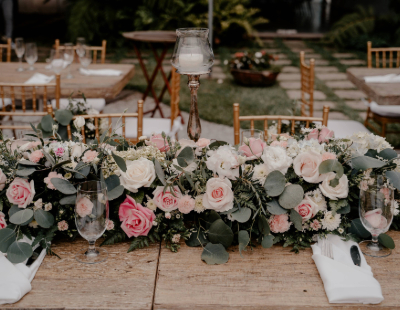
x=57 y=61
x=86 y=59
x=376 y=213
x=19 y=50
x=80 y=46
x=91 y=216
x=69 y=57
x=31 y=55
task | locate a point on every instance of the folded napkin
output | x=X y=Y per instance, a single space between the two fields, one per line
x=104 y=72
x=15 y=279
x=389 y=78
x=39 y=78
x=345 y=282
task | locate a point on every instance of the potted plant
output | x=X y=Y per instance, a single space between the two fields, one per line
x=254 y=69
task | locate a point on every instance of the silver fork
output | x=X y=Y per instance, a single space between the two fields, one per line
x=326 y=248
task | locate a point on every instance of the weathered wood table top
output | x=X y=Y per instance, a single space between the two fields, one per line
x=155 y=278
x=381 y=93
x=92 y=86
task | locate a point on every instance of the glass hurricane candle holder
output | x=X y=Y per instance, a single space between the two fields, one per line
x=193 y=56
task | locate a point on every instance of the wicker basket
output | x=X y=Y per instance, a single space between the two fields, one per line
x=254 y=78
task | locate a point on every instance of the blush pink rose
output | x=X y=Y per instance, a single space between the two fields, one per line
x=305 y=209
x=84 y=207
x=186 y=204
x=136 y=220
x=279 y=143
x=159 y=142
x=254 y=150
x=306 y=165
x=325 y=134
x=21 y=192
x=62 y=226
x=3 y=180
x=3 y=223
x=279 y=223
x=166 y=201
x=375 y=219
x=36 y=156
x=89 y=156
x=328 y=155
x=274 y=136
x=52 y=175
x=313 y=134
x=203 y=142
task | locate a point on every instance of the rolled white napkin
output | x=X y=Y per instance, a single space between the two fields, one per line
x=345 y=282
x=388 y=78
x=39 y=78
x=104 y=72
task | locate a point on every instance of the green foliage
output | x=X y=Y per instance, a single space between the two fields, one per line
x=143 y=241
x=244 y=240
x=291 y=196
x=221 y=233
x=242 y=215
x=215 y=254
x=115 y=237
x=386 y=241
x=275 y=183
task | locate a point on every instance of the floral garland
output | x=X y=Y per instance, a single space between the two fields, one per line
x=288 y=190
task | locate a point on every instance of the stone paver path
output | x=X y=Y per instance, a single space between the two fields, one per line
x=340 y=84
x=331 y=76
x=349 y=94
x=296 y=95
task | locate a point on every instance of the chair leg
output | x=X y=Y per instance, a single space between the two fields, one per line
x=367 y=118
x=383 y=134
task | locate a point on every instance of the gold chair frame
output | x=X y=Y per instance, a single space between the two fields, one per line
x=8 y=49
x=383 y=50
x=95 y=49
x=308 y=119
x=175 y=98
x=307 y=85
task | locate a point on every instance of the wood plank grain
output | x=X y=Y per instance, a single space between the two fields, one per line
x=381 y=93
x=107 y=87
x=264 y=279
x=124 y=281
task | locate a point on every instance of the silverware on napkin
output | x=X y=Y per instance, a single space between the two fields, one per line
x=326 y=248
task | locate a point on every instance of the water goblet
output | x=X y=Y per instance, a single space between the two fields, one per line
x=31 y=55
x=69 y=57
x=91 y=216
x=376 y=213
x=86 y=59
x=80 y=46
x=57 y=61
x=20 y=50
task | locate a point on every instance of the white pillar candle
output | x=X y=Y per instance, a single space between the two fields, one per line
x=190 y=61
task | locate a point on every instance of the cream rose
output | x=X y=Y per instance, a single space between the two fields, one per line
x=139 y=173
x=340 y=191
x=306 y=165
x=224 y=162
x=79 y=122
x=218 y=195
x=77 y=150
x=275 y=158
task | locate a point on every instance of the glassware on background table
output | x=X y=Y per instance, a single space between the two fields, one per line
x=20 y=50
x=376 y=213
x=31 y=54
x=91 y=215
x=80 y=46
x=86 y=59
x=57 y=61
x=69 y=57
x=257 y=134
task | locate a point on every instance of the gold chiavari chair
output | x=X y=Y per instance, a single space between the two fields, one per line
x=175 y=98
x=385 y=51
x=279 y=118
x=24 y=92
x=127 y=123
x=307 y=86
x=95 y=49
x=7 y=47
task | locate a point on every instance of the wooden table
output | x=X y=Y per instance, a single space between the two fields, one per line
x=106 y=87
x=166 y=39
x=156 y=278
x=381 y=93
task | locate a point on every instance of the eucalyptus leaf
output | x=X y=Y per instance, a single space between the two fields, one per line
x=159 y=172
x=358 y=229
x=263 y=225
x=18 y=252
x=196 y=238
x=64 y=117
x=244 y=239
x=242 y=215
x=366 y=162
x=14 y=209
x=68 y=200
x=216 y=144
x=83 y=170
x=116 y=192
x=331 y=165
x=21 y=217
x=388 y=154
x=210 y=217
x=267 y=241
x=185 y=157
x=275 y=208
x=120 y=162
x=7 y=237
x=219 y=232
x=112 y=182
x=296 y=219
x=291 y=196
x=25 y=171
x=394 y=178
x=26 y=162
x=215 y=254
x=44 y=218
x=275 y=183
x=371 y=153
x=61 y=164
x=63 y=186
x=386 y=241
x=47 y=123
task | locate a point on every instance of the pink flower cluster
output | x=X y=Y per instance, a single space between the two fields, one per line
x=322 y=135
x=3 y=223
x=279 y=223
x=59 y=152
x=36 y=156
x=254 y=149
x=62 y=226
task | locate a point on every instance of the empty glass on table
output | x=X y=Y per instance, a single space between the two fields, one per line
x=31 y=54
x=56 y=61
x=80 y=46
x=69 y=52
x=86 y=59
x=20 y=50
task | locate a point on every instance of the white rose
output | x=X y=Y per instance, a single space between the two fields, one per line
x=306 y=165
x=3 y=180
x=224 y=162
x=275 y=158
x=77 y=150
x=138 y=173
x=218 y=195
x=340 y=191
x=79 y=122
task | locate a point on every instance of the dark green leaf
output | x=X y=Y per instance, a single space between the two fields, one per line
x=7 y=237
x=197 y=238
x=83 y=170
x=112 y=182
x=47 y=123
x=63 y=186
x=210 y=217
x=68 y=200
x=275 y=183
x=159 y=172
x=274 y=208
x=219 y=232
x=366 y=162
x=64 y=117
x=120 y=162
x=139 y=196
x=185 y=157
x=215 y=254
x=263 y=225
x=291 y=196
x=331 y=165
x=268 y=241
x=357 y=228
x=61 y=164
x=394 y=178
x=21 y=217
x=242 y=215
x=217 y=144
x=371 y=153
x=116 y=192
x=296 y=219
x=244 y=239
x=18 y=252
x=43 y=218
x=388 y=154
x=386 y=241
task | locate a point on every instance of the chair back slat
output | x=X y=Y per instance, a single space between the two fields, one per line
x=2 y=98
x=34 y=99
x=307 y=85
x=175 y=89
x=7 y=47
x=23 y=99
x=279 y=118
x=95 y=49
x=382 y=61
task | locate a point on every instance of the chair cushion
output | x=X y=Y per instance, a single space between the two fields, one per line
x=150 y=126
x=7 y=101
x=95 y=103
x=385 y=110
x=345 y=128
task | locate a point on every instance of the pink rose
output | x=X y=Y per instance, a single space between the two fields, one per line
x=315 y=225
x=218 y=195
x=3 y=180
x=84 y=207
x=279 y=143
x=375 y=219
x=62 y=226
x=89 y=156
x=203 y=142
x=159 y=142
x=325 y=134
x=186 y=204
x=313 y=134
x=3 y=223
x=166 y=201
x=305 y=210
x=254 y=150
x=21 y=192
x=52 y=175
x=328 y=155
x=136 y=220
x=36 y=156
x=279 y=223
x=274 y=136
x=306 y=165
